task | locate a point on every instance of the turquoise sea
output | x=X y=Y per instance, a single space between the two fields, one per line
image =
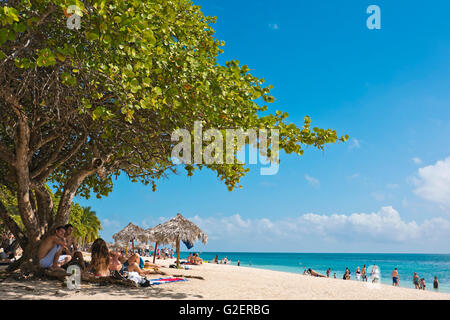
x=426 y=265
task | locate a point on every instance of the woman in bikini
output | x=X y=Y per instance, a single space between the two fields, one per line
x=100 y=258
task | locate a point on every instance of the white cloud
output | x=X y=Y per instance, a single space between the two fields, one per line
x=274 y=26
x=377 y=196
x=417 y=160
x=433 y=182
x=312 y=181
x=110 y=223
x=384 y=230
x=392 y=186
x=354 y=144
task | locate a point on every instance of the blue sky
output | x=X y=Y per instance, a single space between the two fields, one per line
x=386 y=190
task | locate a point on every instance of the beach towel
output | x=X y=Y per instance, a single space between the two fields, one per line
x=165 y=280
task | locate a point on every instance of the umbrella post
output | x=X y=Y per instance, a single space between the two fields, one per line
x=178 y=252
x=154 y=254
x=132 y=243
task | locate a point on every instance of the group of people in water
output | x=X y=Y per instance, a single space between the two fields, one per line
x=361 y=275
x=60 y=250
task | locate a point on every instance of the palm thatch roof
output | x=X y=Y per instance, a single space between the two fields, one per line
x=178 y=227
x=117 y=245
x=130 y=232
x=143 y=246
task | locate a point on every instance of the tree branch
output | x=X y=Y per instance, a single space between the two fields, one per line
x=47 y=168
x=11 y=224
x=45 y=205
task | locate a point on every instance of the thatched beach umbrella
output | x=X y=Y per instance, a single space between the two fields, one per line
x=131 y=232
x=118 y=245
x=175 y=230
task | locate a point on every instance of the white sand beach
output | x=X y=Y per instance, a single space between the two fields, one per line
x=220 y=282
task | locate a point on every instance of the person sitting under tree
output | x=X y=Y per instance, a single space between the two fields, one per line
x=50 y=251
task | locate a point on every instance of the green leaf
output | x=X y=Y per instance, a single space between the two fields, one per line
x=92 y=36
x=157 y=91
x=4 y=35
x=20 y=27
x=45 y=58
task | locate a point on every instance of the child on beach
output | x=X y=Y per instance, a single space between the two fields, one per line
x=422 y=284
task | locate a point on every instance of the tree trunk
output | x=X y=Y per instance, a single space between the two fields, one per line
x=28 y=263
x=178 y=252
x=154 y=254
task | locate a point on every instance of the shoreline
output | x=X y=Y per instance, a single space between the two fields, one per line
x=221 y=282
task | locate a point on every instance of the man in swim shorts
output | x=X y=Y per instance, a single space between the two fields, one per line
x=49 y=252
x=395 y=277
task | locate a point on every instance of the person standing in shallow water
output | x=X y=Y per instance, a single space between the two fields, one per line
x=358 y=274
x=395 y=278
x=436 y=283
x=416 y=280
x=364 y=273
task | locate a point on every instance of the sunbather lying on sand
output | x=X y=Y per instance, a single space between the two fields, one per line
x=315 y=274
x=133 y=265
x=149 y=265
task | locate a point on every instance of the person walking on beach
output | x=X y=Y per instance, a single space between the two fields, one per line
x=328 y=272
x=436 y=283
x=358 y=274
x=416 y=280
x=395 y=281
x=364 y=273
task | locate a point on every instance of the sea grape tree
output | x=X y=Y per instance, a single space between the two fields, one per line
x=82 y=105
